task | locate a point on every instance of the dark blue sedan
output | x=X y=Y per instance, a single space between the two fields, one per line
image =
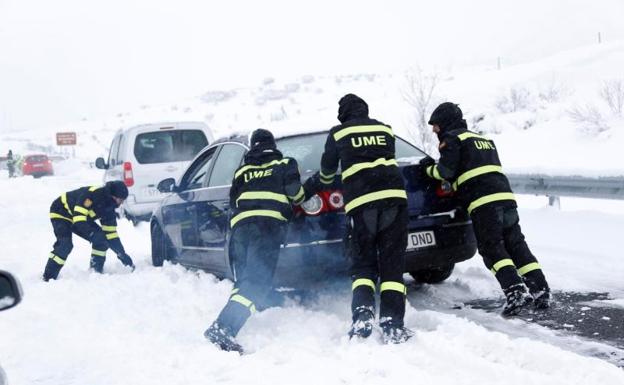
x=191 y=227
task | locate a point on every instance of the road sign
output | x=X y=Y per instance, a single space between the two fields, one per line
x=65 y=138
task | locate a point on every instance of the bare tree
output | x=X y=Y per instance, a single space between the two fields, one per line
x=588 y=118
x=516 y=99
x=612 y=92
x=419 y=94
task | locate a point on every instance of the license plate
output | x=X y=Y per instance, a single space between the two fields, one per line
x=150 y=192
x=420 y=239
x=37 y=165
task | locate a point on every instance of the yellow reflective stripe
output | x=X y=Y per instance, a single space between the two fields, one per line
x=79 y=218
x=261 y=213
x=109 y=228
x=363 y=282
x=93 y=188
x=251 y=166
x=502 y=263
x=433 y=172
x=59 y=216
x=361 y=130
x=64 y=201
x=528 y=268
x=92 y=213
x=234 y=291
x=81 y=210
x=99 y=253
x=327 y=176
x=467 y=135
x=57 y=259
x=489 y=199
x=476 y=172
x=300 y=195
x=374 y=196
x=364 y=165
x=327 y=181
x=263 y=195
x=112 y=235
x=395 y=286
x=244 y=301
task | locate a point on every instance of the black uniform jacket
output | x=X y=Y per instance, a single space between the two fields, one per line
x=265 y=186
x=364 y=148
x=470 y=162
x=83 y=206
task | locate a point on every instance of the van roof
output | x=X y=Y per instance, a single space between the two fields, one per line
x=145 y=127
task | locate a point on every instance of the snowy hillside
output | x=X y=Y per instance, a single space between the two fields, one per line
x=531 y=110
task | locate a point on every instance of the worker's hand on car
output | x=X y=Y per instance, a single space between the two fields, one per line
x=126 y=260
x=312 y=185
x=426 y=162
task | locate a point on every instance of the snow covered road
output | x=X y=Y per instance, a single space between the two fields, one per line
x=146 y=327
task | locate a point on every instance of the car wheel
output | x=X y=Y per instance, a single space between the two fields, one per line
x=160 y=247
x=433 y=275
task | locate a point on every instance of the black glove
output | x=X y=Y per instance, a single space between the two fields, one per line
x=126 y=260
x=425 y=163
x=312 y=185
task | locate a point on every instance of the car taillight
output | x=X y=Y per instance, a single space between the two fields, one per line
x=444 y=190
x=324 y=201
x=127 y=174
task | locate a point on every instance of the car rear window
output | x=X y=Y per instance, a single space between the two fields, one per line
x=36 y=158
x=168 y=146
x=307 y=150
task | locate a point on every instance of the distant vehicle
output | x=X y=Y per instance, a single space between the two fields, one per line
x=143 y=155
x=10 y=295
x=191 y=227
x=37 y=165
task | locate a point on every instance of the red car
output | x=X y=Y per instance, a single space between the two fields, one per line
x=37 y=165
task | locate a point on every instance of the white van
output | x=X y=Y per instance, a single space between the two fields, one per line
x=143 y=155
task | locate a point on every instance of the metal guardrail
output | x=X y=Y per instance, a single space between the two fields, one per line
x=567 y=186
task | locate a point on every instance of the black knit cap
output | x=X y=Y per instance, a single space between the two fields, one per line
x=262 y=138
x=445 y=115
x=350 y=107
x=117 y=189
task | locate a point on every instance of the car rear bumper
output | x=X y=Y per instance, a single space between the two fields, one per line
x=139 y=209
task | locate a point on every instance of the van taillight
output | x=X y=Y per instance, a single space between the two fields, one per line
x=127 y=174
x=444 y=190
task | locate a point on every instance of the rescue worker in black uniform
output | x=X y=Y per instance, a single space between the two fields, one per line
x=470 y=163
x=10 y=164
x=76 y=212
x=263 y=191
x=376 y=210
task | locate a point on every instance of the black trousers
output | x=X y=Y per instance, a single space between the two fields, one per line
x=254 y=249
x=376 y=243
x=503 y=247
x=63 y=230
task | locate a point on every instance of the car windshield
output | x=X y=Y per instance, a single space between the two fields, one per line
x=307 y=150
x=36 y=158
x=168 y=146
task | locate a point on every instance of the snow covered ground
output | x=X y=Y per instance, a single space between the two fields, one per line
x=146 y=327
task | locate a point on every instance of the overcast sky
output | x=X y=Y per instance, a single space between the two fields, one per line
x=63 y=60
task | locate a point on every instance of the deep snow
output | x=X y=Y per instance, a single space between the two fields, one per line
x=146 y=327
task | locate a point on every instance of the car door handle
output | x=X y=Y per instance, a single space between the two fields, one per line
x=171 y=169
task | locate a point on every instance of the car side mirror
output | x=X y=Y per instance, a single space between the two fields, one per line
x=167 y=185
x=101 y=164
x=10 y=291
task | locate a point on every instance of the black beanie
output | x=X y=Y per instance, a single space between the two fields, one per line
x=445 y=115
x=262 y=138
x=117 y=189
x=351 y=106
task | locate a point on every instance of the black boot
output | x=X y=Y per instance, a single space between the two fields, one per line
x=97 y=263
x=517 y=299
x=538 y=287
x=394 y=333
x=223 y=338
x=51 y=270
x=362 y=325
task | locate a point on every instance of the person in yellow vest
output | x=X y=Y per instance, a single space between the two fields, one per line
x=470 y=163
x=75 y=212
x=263 y=191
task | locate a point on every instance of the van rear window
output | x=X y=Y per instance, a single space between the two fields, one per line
x=168 y=146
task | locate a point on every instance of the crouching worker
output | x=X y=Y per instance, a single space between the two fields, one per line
x=470 y=162
x=263 y=190
x=76 y=212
